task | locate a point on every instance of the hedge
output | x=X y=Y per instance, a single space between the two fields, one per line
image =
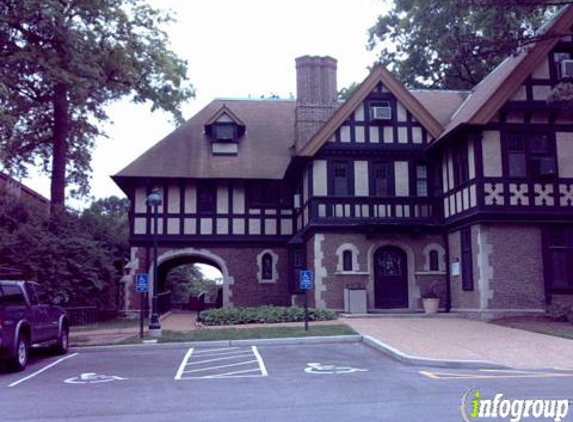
x=263 y=314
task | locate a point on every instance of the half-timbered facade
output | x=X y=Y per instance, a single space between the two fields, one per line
x=395 y=191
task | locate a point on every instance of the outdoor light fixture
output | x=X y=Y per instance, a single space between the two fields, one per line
x=154 y=200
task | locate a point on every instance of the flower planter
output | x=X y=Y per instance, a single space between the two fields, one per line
x=431 y=305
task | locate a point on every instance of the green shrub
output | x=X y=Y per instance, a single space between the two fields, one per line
x=263 y=314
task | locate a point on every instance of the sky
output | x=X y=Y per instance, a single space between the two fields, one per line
x=235 y=49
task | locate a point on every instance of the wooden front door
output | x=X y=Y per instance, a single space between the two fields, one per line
x=390 y=278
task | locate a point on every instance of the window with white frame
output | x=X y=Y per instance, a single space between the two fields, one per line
x=434 y=258
x=347 y=255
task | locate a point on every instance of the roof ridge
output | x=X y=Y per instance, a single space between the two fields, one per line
x=448 y=91
x=254 y=99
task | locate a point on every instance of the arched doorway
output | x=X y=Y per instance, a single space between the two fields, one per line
x=390 y=278
x=211 y=265
x=193 y=286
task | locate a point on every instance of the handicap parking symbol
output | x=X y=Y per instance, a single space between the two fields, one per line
x=318 y=368
x=93 y=378
x=142 y=283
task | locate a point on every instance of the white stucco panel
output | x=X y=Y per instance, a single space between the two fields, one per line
x=491 y=153
x=565 y=153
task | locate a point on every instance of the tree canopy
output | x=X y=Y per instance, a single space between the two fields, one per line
x=78 y=256
x=346 y=92
x=454 y=44
x=61 y=63
x=187 y=281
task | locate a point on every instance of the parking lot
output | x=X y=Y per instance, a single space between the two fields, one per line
x=335 y=382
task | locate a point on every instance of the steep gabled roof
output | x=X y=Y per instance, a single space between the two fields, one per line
x=379 y=74
x=498 y=87
x=264 y=150
x=442 y=104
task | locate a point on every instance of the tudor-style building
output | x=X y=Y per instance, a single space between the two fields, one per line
x=396 y=191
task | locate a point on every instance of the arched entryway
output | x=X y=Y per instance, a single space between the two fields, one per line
x=191 y=285
x=171 y=260
x=390 y=278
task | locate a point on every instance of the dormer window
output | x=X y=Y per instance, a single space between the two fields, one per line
x=224 y=129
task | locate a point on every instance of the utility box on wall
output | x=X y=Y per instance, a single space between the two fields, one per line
x=355 y=301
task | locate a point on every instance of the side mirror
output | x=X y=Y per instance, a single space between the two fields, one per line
x=58 y=299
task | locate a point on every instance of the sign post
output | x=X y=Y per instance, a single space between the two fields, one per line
x=141 y=287
x=305 y=284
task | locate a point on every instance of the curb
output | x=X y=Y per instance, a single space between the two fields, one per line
x=370 y=341
x=436 y=363
x=291 y=341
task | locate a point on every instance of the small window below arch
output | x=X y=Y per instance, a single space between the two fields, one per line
x=347 y=261
x=267 y=264
x=434 y=260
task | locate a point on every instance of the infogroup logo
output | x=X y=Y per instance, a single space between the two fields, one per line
x=474 y=407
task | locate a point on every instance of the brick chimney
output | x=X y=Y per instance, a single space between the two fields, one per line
x=317 y=96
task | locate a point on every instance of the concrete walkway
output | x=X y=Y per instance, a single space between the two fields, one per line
x=433 y=338
x=466 y=339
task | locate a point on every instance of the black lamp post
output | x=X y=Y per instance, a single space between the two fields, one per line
x=154 y=200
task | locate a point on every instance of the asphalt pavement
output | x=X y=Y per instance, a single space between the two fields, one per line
x=178 y=382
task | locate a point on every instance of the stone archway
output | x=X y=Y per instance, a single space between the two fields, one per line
x=176 y=257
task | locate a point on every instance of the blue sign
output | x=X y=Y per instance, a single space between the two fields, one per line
x=305 y=280
x=142 y=283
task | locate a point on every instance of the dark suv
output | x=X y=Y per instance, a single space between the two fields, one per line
x=25 y=322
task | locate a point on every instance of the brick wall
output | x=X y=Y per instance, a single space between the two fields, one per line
x=317 y=95
x=517 y=262
x=240 y=263
x=507 y=268
x=335 y=281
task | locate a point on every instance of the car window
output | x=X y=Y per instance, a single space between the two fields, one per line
x=13 y=295
x=32 y=293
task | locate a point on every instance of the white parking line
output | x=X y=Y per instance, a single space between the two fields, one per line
x=212 y=351
x=227 y=374
x=183 y=363
x=219 y=367
x=192 y=364
x=197 y=362
x=261 y=362
x=45 y=368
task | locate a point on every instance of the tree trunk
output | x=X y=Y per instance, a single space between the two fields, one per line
x=61 y=128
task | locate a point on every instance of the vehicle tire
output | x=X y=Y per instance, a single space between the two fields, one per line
x=20 y=359
x=61 y=347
